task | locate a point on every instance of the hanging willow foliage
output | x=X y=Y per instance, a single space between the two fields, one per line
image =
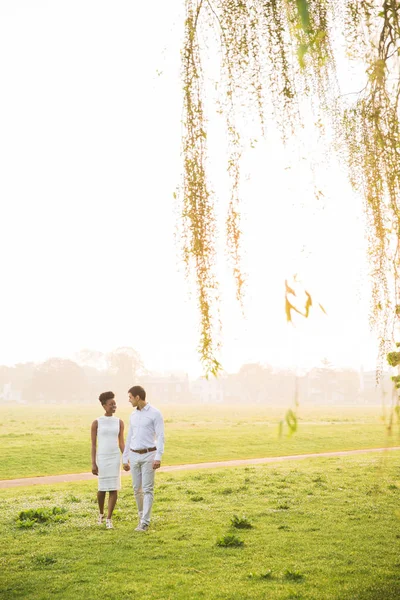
x=282 y=53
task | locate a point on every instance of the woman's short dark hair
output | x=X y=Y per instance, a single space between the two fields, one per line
x=106 y=396
x=137 y=390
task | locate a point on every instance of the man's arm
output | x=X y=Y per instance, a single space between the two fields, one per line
x=159 y=429
x=93 y=431
x=125 y=455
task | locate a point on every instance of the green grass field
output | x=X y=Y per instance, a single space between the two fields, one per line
x=322 y=529
x=50 y=439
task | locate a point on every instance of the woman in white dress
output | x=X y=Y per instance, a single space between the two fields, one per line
x=108 y=436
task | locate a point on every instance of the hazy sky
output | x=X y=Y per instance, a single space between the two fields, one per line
x=90 y=131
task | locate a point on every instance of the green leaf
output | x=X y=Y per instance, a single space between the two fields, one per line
x=291 y=421
x=393 y=358
x=288 y=308
x=322 y=308
x=308 y=304
x=301 y=52
x=302 y=8
x=289 y=290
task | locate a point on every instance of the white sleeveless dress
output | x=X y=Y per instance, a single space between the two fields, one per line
x=108 y=456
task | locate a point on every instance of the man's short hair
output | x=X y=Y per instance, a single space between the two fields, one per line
x=106 y=396
x=137 y=390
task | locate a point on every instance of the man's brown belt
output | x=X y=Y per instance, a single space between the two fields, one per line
x=144 y=450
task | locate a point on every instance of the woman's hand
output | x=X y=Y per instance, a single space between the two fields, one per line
x=126 y=467
x=95 y=470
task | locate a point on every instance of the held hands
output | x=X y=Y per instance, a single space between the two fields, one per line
x=95 y=470
x=156 y=464
x=126 y=467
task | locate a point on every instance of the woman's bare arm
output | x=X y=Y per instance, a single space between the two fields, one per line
x=93 y=430
x=121 y=436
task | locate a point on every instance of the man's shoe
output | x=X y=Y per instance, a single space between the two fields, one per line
x=142 y=527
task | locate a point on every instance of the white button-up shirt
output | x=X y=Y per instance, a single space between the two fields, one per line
x=146 y=430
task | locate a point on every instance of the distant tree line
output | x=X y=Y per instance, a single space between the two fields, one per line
x=83 y=379
x=63 y=380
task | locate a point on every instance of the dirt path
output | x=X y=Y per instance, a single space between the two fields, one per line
x=27 y=481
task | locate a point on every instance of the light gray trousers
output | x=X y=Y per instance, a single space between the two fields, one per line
x=143 y=483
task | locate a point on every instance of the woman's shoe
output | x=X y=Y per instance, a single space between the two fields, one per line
x=100 y=521
x=109 y=524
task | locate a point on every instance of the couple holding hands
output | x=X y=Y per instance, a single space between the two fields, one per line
x=141 y=454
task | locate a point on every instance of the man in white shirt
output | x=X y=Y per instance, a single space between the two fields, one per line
x=143 y=450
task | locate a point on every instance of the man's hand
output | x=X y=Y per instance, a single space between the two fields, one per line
x=126 y=467
x=156 y=464
x=95 y=470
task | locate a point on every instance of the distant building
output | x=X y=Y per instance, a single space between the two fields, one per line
x=171 y=388
x=208 y=391
x=9 y=394
x=371 y=392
